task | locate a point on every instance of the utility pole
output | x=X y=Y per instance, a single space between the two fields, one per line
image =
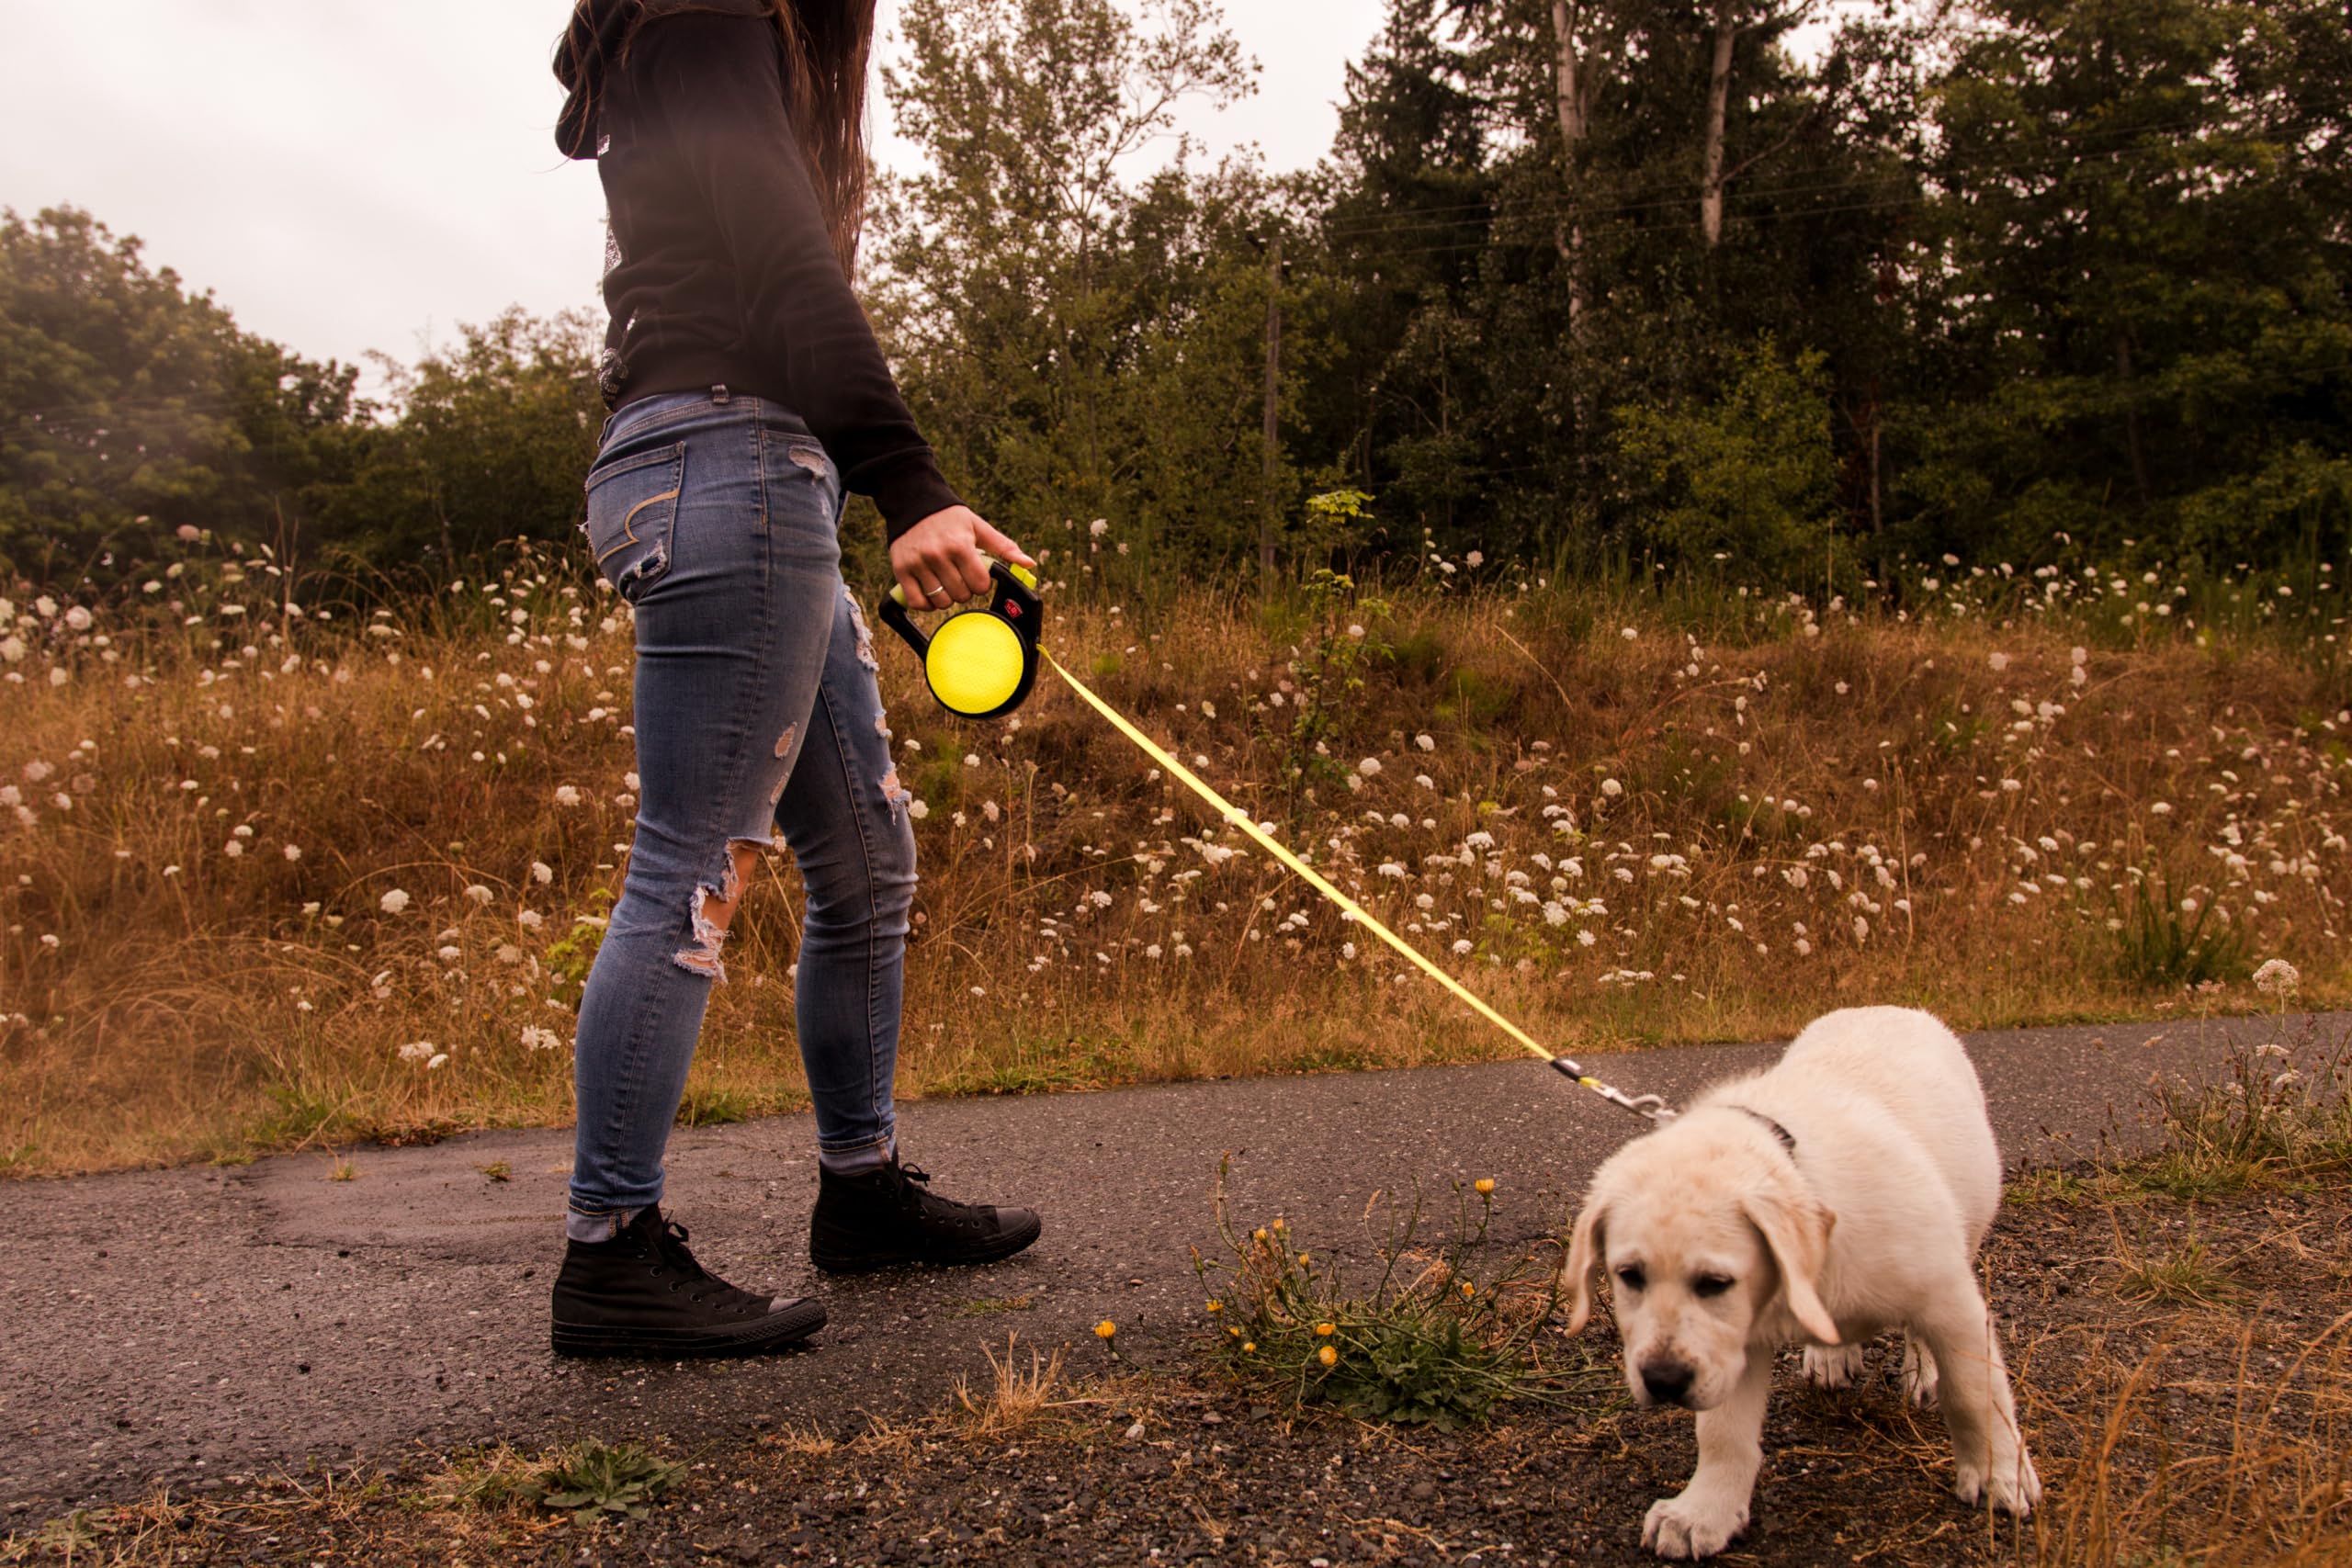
x=1273 y=385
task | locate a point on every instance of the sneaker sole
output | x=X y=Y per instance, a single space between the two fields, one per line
x=997 y=1251
x=773 y=1332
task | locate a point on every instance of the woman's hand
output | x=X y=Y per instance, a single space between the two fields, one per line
x=938 y=561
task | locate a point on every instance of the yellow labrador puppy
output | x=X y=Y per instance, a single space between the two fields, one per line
x=1842 y=1192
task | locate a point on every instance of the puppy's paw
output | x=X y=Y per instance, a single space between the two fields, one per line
x=1833 y=1366
x=1920 y=1376
x=1687 y=1526
x=2009 y=1483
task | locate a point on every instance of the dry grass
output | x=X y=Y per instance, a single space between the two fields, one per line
x=2260 y=1472
x=1016 y=1397
x=291 y=883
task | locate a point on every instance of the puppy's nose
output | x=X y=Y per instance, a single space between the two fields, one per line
x=1668 y=1382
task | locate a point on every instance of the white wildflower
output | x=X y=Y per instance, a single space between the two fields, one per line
x=392 y=903
x=2277 y=977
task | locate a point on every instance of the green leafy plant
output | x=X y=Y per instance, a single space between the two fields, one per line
x=2186 y=1276
x=570 y=956
x=1439 y=1339
x=716 y=1107
x=596 y=1481
x=2158 y=942
x=1342 y=636
x=2278 y=1111
x=2281 y=1109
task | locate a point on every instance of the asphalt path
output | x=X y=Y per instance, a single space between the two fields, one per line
x=192 y=1326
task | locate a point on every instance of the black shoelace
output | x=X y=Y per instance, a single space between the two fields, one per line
x=930 y=1203
x=670 y=1242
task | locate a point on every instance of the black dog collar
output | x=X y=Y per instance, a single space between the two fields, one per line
x=1787 y=1139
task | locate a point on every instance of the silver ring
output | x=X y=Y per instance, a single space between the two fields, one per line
x=933 y=592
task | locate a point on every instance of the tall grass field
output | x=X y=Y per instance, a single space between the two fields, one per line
x=276 y=874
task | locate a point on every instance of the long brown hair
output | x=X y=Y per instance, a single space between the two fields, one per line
x=826 y=47
x=823 y=47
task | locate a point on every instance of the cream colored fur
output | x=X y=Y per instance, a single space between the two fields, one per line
x=1740 y=1248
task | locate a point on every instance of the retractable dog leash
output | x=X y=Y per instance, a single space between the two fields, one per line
x=982 y=663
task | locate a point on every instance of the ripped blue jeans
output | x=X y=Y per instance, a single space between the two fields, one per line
x=717 y=517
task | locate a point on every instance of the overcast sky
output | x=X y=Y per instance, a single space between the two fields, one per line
x=356 y=174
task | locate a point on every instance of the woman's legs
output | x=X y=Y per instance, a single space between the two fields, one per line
x=845 y=815
x=735 y=613
x=757 y=710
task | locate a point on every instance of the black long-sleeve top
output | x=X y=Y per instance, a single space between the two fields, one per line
x=721 y=268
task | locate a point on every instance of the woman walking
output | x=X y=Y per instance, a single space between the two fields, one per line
x=748 y=396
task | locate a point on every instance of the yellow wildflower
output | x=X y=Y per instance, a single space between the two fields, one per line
x=1105 y=1329
x=1249 y=1347
x=1485 y=1185
x=1216 y=1306
x=1326 y=1330
x=1328 y=1355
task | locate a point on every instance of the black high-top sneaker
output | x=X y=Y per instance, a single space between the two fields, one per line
x=889 y=1215
x=642 y=1293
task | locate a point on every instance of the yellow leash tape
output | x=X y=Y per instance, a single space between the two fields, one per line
x=1648 y=1105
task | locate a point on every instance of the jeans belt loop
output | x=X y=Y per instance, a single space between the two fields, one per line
x=718 y=393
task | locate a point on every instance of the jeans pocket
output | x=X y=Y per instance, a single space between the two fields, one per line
x=632 y=514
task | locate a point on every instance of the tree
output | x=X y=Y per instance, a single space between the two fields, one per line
x=130 y=408
x=1077 y=335
x=1747 y=475
x=493 y=440
x=2142 y=318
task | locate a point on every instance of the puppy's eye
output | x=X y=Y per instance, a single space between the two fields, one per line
x=1710 y=1285
x=1630 y=1277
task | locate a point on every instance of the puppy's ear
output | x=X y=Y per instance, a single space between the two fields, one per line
x=1797 y=1229
x=1584 y=1262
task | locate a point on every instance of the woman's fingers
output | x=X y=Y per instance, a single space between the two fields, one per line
x=1000 y=544
x=971 y=566
x=942 y=552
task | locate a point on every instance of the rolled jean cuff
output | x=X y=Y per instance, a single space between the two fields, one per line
x=850 y=1159
x=595 y=1225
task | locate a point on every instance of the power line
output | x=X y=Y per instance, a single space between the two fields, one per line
x=1916 y=183
x=1673 y=193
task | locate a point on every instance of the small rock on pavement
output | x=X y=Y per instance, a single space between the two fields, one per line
x=1135 y=1432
